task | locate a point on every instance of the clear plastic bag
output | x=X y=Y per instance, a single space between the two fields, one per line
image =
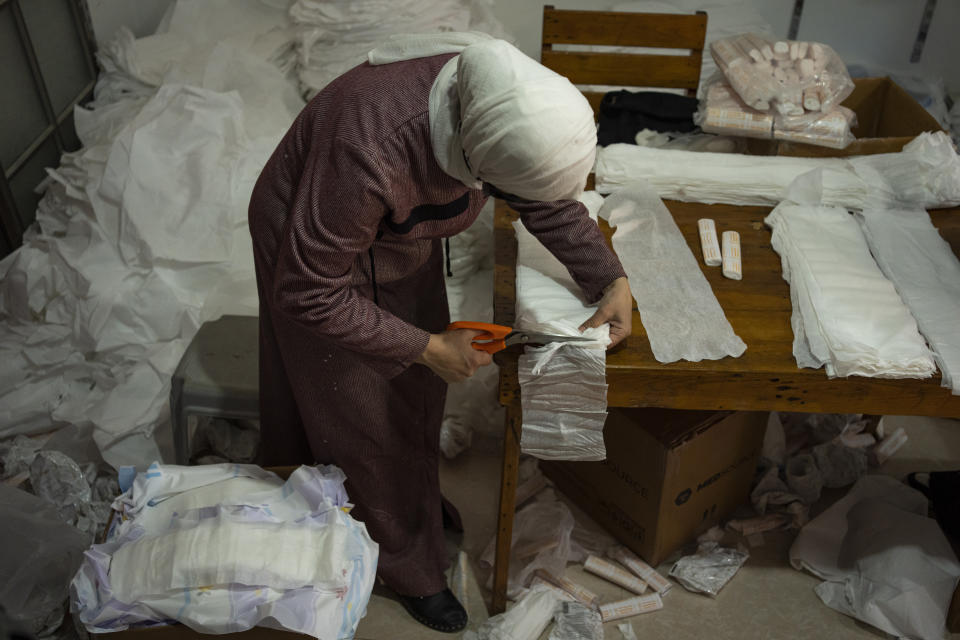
x=708 y=570
x=39 y=555
x=785 y=77
x=723 y=112
x=575 y=621
x=541 y=540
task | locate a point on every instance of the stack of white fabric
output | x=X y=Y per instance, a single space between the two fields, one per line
x=846 y=316
x=925 y=174
x=564 y=385
x=223 y=548
x=336 y=35
x=926 y=274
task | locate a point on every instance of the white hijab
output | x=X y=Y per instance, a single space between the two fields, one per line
x=498 y=116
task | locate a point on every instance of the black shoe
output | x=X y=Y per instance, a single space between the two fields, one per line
x=441 y=611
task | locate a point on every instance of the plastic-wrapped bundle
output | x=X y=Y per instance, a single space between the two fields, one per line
x=241 y=548
x=832 y=129
x=846 y=315
x=724 y=113
x=785 y=76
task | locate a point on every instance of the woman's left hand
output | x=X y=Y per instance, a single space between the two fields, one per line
x=616 y=307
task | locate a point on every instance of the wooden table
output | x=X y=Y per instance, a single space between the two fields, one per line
x=764 y=378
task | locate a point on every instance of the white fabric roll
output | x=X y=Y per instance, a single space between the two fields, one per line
x=925 y=174
x=498 y=116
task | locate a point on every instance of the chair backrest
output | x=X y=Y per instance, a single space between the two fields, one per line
x=622 y=29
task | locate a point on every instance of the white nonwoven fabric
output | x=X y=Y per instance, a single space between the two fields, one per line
x=925 y=174
x=142 y=234
x=883 y=560
x=926 y=274
x=681 y=315
x=846 y=316
x=563 y=386
x=221 y=551
x=498 y=116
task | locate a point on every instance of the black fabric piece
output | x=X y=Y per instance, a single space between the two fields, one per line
x=425 y=212
x=441 y=611
x=623 y=114
x=943 y=491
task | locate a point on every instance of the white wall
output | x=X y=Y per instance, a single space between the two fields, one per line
x=140 y=16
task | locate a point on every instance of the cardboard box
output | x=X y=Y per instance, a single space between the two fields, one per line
x=668 y=475
x=887 y=118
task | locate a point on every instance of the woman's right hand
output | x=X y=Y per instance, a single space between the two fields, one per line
x=451 y=355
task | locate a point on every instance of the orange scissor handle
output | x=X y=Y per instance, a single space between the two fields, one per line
x=492 y=338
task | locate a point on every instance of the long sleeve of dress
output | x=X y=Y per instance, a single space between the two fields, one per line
x=566 y=230
x=337 y=209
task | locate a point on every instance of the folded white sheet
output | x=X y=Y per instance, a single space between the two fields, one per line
x=846 y=315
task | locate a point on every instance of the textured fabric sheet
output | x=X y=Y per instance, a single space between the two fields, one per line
x=926 y=274
x=846 y=315
x=680 y=313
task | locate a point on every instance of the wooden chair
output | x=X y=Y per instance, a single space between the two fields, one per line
x=621 y=29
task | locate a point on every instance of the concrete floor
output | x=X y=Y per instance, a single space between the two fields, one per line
x=767 y=599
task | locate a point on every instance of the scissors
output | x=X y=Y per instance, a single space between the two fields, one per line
x=496 y=337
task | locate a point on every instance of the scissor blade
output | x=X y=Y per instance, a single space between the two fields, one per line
x=524 y=337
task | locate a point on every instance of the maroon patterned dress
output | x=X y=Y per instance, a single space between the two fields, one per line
x=347 y=219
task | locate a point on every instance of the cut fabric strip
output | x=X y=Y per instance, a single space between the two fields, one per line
x=926 y=274
x=678 y=309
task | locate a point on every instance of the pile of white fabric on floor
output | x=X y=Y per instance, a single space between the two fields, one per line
x=846 y=315
x=925 y=174
x=336 y=35
x=142 y=234
x=223 y=548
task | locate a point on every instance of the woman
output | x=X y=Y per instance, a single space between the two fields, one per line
x=347 y=219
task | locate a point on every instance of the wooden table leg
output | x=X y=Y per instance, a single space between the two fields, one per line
x=508 y=496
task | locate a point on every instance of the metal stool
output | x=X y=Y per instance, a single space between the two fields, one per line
x=217 y=376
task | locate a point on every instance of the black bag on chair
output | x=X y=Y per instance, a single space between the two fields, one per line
x=623 y=114
x=943 y=491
